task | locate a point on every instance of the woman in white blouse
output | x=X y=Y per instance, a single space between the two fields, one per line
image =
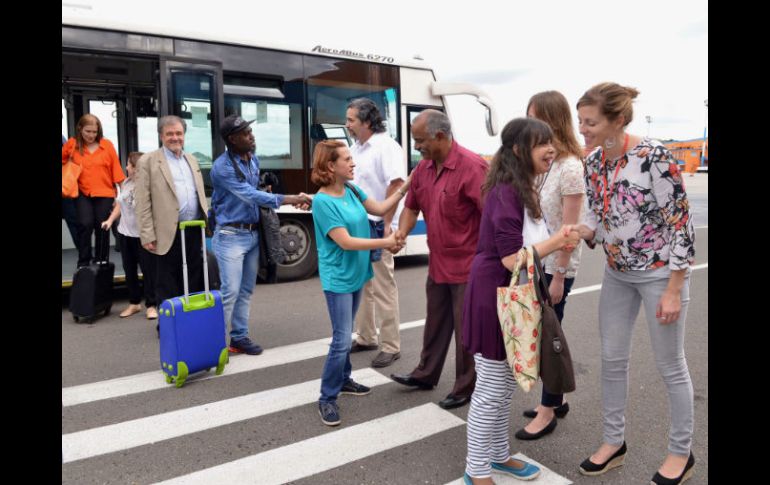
x=562 y=190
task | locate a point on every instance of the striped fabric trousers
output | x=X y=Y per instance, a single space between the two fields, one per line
x=489 y=415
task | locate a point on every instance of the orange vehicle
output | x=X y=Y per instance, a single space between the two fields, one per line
x=688 y=152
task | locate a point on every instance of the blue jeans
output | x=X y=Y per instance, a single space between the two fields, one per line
x=342 y=309
x=237 y=253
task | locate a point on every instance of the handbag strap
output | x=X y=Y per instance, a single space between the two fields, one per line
x=355 y=192
x=543 y=294
x=522 y=257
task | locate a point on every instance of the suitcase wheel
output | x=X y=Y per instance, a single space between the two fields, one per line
x=182 y=373
x=168 y=379
x=224 y=358
x=75 y=318
x=107 y=310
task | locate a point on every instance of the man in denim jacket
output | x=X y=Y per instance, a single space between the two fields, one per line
x=236 y=201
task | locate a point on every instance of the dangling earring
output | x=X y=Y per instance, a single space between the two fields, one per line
x=609 y=143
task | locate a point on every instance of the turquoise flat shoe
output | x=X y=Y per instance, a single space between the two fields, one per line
x=529 y=471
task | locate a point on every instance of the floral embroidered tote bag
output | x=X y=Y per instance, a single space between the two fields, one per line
x=520 y=315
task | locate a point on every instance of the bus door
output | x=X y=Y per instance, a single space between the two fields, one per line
x=121 y=91
x=193 y=91
x=109 y=105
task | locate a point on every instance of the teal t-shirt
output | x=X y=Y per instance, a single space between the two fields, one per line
x=341 y=271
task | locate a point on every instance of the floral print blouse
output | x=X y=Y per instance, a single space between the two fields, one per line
x=647 y=223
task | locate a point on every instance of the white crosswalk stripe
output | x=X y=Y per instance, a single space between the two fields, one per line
x=327 y=451
x=121 y=436
x=150 y=381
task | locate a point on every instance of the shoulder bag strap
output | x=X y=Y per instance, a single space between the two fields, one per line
x=543 y=294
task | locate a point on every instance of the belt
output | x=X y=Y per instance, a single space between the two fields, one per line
x=242 y=225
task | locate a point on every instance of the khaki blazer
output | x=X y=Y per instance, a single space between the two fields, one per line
x=157 y=205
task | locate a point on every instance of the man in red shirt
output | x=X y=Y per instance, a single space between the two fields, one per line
x=446 y=187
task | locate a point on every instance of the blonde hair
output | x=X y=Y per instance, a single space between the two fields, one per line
x=613 y=100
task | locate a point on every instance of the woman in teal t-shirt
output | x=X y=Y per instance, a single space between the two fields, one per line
x=342 y=238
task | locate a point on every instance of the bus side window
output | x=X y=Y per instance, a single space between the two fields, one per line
x=317 y=133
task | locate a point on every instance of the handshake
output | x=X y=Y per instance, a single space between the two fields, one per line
x=302 y=201
x=397 y=240
x=569 y=236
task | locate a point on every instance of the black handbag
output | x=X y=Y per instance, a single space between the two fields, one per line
x=556 y=370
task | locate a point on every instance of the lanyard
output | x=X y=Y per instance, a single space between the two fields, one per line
x=606 y=206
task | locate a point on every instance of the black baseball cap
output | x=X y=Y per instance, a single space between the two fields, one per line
x=233 y=124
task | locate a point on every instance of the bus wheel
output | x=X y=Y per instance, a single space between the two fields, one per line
x=298 y=240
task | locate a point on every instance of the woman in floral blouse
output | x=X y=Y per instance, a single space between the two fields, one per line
x=638 y=210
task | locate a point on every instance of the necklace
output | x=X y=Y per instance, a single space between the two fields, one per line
x=607 y=194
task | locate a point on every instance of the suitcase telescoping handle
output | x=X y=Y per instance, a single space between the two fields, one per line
x=182 y=226
x=102 y=250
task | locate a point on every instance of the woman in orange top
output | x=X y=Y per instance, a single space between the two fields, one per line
x=96 y=185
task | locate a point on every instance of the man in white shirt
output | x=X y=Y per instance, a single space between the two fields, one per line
x=380 y=171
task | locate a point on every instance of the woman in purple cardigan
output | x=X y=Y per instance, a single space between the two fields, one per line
x=512 y=218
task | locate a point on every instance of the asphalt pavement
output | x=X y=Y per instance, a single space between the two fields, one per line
x=258 y=422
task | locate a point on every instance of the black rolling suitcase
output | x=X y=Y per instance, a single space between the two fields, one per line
x=91 y=292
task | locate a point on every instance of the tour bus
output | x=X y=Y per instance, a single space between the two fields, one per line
x=129 y=75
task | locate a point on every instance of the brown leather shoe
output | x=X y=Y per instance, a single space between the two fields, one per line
x=384 y=359
x=152 y=313
x=356 y=347
x=130 y=310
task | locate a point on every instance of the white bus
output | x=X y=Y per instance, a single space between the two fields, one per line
x=129 y=75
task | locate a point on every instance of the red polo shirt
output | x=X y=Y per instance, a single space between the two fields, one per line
x=450 y=202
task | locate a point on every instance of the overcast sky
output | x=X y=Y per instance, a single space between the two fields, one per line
x=510 y=49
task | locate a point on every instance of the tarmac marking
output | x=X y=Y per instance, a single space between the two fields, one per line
x=151 y=381
x=152 y=429
x=546 y=477
x=327 y=451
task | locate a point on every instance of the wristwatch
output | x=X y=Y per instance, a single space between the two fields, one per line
x=561 y=270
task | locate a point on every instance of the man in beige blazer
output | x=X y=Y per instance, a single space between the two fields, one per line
x=169 y=189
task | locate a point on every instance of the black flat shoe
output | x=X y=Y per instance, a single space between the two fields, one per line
x=560 y=411
x=408 y=380
x=523 y=434
x=659 y=479
x=451 y=401
x=590 y=468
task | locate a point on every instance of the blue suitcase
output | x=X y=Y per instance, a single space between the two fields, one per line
x=192 y=327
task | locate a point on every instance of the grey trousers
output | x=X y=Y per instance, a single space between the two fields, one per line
x=621 y=296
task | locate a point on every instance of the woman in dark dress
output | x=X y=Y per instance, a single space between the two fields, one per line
x=511 y=200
